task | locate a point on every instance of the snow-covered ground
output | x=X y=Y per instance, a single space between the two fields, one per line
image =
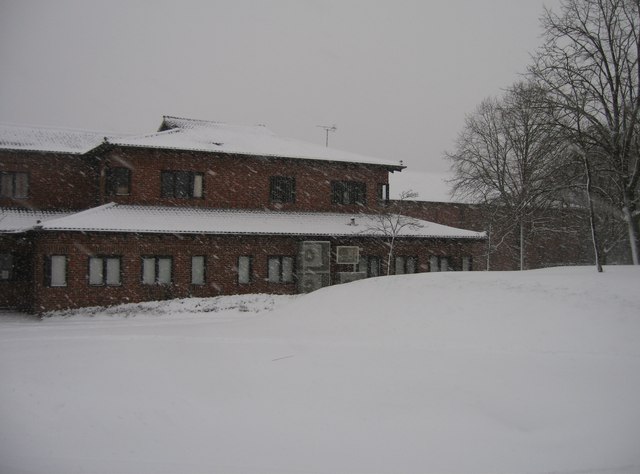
x=530 y=372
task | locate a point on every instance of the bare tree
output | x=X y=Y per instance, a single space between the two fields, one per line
x=589 y=66
x=391 y=225
x=507 y=157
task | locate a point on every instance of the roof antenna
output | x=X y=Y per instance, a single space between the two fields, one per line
x=327 y=129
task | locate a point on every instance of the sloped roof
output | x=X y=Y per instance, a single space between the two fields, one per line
x=56 y=140
x=180 y=220
x=13 y=220
x=201 y=135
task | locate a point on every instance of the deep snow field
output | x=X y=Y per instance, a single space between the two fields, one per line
x=502 y=372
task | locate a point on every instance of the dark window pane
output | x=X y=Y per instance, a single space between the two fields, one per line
x=118 y=181
x=182 y=184
x=166 y=184
x=282 y=189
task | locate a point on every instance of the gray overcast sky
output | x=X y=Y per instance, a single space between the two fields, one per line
x=396 y=76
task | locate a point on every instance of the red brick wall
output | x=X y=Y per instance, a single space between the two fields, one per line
x=221 y=253
x=565 y=240
x=235 y=181
x=56 y=181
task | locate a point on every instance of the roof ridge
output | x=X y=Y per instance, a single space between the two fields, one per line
x=59 y=129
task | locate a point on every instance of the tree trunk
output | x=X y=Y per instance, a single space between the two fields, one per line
x=521 y=246
x=592 y=219
x=632 y=227
x=391 y=245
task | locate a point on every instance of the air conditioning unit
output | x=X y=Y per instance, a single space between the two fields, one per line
x=347 y=254
x=315 y=255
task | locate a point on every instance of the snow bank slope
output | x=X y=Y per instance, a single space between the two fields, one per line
x=532 y=372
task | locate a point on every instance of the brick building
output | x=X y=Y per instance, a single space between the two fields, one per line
x=198 y=209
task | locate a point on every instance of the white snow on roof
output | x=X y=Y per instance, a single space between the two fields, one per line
x=201 y=135
x=13 y=220
x=155 y=219
x=58 y=140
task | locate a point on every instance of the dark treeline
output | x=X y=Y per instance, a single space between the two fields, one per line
x=567 y=135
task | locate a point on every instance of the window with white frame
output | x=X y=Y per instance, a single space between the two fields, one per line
x=181 y=184
x=104 y=271
x=383 y=192
x=439 y=264
x=369 y=265
x=280 y=269
x=56 y=270
x=244 y=269
x=406 y=265
x=198 y=269
x=14 y=184
x=157 y=270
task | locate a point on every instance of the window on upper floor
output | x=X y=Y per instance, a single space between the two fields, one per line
x=348 y=192
x=14 y=184
x=118 y=181
x=105 y=271
x=181 y=184
x=383 y=192
x=282 y=189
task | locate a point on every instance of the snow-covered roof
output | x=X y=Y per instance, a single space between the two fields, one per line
x=181 y=220
x=13 y=220
x=57 y=140
x=201 y=135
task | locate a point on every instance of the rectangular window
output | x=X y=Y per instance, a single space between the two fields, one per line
x=118 y=181
x=406 y=265
x=181 y=184
x=369 y=265
x=56 y=270
x=6 y=267
x=348 y=192
x=439 y=264
x=434 y=263
x=14 y=185
x=466 y=264
x=156 y=270
x=282 y=189
x=197 y=270
x=244 y=269
x=383 y=192
x=280 y=269
x=104 y=271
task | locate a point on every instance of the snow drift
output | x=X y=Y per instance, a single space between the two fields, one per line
x=516 y=372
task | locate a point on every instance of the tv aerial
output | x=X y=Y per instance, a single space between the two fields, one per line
x=327 y=129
